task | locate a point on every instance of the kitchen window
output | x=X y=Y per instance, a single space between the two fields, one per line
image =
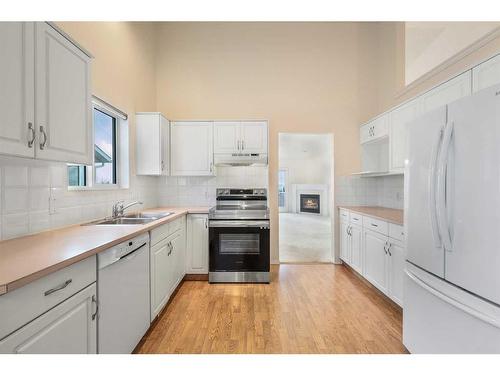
x=110 y=166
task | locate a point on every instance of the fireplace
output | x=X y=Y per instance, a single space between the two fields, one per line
x=310 y=203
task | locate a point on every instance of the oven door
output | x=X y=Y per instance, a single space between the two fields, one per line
x=239 y=245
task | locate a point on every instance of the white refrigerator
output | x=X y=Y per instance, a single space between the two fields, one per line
x=452 y=220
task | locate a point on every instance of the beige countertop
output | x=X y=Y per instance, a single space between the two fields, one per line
x=391 y=215
x=25 y=259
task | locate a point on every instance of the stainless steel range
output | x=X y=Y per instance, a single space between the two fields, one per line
x=239 y=237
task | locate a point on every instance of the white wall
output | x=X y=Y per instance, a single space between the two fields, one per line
x=200 y=191
x=26 y=186
x=385 y=191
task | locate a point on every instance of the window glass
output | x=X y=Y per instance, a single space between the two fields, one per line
x=104 y=148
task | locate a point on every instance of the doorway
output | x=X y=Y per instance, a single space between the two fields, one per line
x=305 y=198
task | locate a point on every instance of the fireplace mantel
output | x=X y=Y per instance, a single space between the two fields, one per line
x=321 y=190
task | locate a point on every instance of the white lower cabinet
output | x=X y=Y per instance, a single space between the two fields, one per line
x=68 y=328
x=396 y=267
x=375 y=250
x=356 y=246
x=197 y=244
x=375 y=259
x=168 y=247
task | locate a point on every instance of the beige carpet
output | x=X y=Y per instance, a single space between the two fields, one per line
x=305 y=238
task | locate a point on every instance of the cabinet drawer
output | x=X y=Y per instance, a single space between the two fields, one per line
x=163 y=231
x=344 y=215
x=356 y=218
x=25 y=304
x=396 y=232
x=376 y=225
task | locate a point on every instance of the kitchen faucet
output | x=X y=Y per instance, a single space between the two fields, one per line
x=119 y=208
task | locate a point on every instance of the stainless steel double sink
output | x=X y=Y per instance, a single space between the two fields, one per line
x=132 y=219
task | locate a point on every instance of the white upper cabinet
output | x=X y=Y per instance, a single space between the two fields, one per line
x=152 y=144
x=17 y=89
x=254 y=137
x=454 y=89
x=191 y=147
x=240 y=137
x=398 y=134
x=227 y=137
x=62 y=98
x=486 y=74
x=376 y=129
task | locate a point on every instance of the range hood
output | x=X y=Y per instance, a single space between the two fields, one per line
x=240 y=159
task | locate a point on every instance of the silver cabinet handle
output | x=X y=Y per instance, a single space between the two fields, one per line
x=239 y=145
x=242 y=145
x=62 y=286
x=94 y=301
x=374 y=225
x=389 y=249
x=31 y=129
x=385 y=247
x=211 y=167
x=206 y=223
x=170 y=248
x=162 y=165
x=42 y=144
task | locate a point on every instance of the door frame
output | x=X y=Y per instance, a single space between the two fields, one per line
x=287 y=190
x=334 y=257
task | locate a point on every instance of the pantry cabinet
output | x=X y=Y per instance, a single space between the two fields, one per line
x=454 y=89
x=17 y=124
x=235 y=137
x=398 y=134
x=68 y=328
x=44 y=77
x=197 y=244
x=486 y=74
x=152 y=144
x=191 y=146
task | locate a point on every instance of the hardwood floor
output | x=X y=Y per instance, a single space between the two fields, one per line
x=320 y=308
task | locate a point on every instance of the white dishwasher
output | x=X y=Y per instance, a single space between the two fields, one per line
x=123 y=294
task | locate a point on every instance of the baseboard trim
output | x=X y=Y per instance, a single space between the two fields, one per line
x=196 y=277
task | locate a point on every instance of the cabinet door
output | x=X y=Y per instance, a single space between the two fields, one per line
x=68 y=328
x=365 y=133
x=486 y=74
x=161 y=276
x=17 y=89
x=398 y=142
x=227 y=137
x=197 y=244
x=178 y=259
x=254 y=137
x=149 y=138
x=396 y=271
x=447 y=92
x=375 y=259
x=356 y=238
x=380 y=127
x=165 y=146
x=191 y=147
x=345 y=243
x=63 y=105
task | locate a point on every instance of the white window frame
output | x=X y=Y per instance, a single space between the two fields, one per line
x=121 y=152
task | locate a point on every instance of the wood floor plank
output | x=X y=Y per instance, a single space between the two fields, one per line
x=309 y=308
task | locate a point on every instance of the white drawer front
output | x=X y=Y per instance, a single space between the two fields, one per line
x=165 y=230
x=24 y=304
x=344 y=215
x=356 y=218
x=396 y=232
x=376 y=225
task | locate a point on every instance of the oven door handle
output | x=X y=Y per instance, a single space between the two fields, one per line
x=263 y=224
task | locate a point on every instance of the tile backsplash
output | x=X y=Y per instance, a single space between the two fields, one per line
x=386 y=191
x=34 y=196
x=200 y=191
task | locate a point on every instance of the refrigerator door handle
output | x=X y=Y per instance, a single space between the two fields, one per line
x=432 y=190
x=442 y=213
x=459 y=305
